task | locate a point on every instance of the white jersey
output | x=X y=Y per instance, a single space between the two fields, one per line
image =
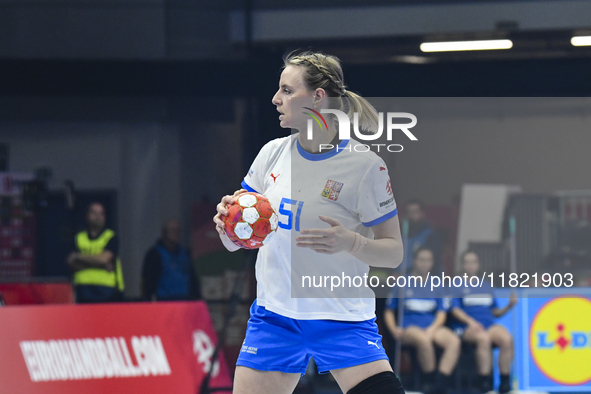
x=352 y=187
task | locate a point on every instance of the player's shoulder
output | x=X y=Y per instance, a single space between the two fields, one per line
x=367 y=158
x=276 y=145
x=365 y=153
x=273 y=148
x=278 y=142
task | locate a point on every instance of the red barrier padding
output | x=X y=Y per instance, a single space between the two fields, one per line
x=144 y=348
x=36 y=293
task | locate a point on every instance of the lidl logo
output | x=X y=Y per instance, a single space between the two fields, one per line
x=560 y=340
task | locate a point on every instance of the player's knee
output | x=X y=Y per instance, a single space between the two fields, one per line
x=381 y=383
x=455 y=343
x=506 y=342
x=483 y=340
x=423 y=341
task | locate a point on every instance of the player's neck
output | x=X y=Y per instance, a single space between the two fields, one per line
x=318 y=138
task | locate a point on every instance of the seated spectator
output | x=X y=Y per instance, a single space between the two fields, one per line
x=422 y=326
x=474 y=315
x=168 y=272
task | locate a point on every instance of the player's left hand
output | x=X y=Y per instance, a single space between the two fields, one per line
x=430 y=332
x=512 y=300
x=330 y=240
x=222 y=210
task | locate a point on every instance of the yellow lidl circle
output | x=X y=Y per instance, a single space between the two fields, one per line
x=560 y=340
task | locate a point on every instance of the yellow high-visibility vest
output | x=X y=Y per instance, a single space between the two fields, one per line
x=97 y=276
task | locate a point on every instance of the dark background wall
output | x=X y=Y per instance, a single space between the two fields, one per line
x=168 y=102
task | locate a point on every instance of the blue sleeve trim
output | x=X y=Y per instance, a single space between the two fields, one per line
x=247 y=187
x=382 y=219
x=321 y=156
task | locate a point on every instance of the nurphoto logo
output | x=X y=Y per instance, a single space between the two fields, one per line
x=345 y=129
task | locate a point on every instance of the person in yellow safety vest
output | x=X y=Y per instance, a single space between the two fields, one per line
x=96 y=265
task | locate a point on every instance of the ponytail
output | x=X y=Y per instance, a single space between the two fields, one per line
x=368 y=116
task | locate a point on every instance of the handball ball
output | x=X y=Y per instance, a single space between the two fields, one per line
x=251 y=221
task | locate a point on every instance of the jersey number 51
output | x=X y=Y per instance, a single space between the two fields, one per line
x=289 y=213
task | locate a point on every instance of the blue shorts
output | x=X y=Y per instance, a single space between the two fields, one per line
x=277 y=343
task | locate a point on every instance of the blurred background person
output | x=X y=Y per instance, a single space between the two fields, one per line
x=97 y=269
x=473 y=319
x=422 y=327
x=421 y=234
x=168 y=272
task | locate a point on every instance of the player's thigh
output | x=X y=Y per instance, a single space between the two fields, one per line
x=500 y=336
x=445 y=338
x=253 y=381
x=475 y=336
x=415 y=336
x=349 y=377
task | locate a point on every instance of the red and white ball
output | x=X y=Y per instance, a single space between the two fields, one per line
x=251 y=221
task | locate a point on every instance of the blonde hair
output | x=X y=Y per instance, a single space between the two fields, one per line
x=325 y=72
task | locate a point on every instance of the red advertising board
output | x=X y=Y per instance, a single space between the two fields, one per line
x=108 y=348
x=36 y=293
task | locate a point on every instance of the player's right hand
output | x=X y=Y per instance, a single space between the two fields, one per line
x=476 y=325
x=223 y=211
x=398 y=333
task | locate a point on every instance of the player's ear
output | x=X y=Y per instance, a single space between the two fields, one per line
x=318 y=97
